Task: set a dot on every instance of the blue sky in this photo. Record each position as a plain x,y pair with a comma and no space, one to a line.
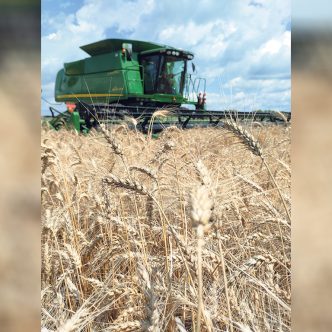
242,47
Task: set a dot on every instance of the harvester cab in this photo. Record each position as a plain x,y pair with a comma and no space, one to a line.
165,72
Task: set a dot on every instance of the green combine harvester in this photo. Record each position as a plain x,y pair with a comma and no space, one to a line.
134,79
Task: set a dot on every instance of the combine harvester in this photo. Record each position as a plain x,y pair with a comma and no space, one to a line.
144,81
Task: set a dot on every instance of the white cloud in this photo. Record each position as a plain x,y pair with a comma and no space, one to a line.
53,36
274,45
191,34
125,15
271,47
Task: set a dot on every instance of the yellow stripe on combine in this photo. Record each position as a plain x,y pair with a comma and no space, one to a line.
88,95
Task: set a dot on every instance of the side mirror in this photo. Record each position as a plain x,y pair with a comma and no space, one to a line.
193,67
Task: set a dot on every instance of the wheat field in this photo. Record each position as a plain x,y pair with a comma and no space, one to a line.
187,232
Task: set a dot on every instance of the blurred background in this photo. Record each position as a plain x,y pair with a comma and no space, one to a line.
311,165
20,171
19,165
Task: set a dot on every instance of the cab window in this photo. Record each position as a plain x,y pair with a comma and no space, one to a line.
150,68
171,75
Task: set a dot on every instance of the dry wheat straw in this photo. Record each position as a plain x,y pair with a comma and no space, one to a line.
118,252
248,140
127,327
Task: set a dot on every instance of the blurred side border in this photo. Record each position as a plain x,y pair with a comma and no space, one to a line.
311,166
19,165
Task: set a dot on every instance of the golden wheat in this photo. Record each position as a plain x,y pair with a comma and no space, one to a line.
186,232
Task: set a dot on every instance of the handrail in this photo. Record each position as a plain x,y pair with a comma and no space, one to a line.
192,87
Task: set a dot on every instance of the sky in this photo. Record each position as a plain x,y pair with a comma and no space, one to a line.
241,47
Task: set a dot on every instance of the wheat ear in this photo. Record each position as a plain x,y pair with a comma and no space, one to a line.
201,207
246,138
116,147
127,184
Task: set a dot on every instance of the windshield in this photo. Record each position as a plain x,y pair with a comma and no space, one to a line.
171,75
164,74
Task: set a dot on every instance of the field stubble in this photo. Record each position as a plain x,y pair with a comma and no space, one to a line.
187,232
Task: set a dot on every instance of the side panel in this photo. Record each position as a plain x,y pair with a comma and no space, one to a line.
102,78
102,63
67,85
104,87
96,64
74,68
134,81
102,82
100,87
132,72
